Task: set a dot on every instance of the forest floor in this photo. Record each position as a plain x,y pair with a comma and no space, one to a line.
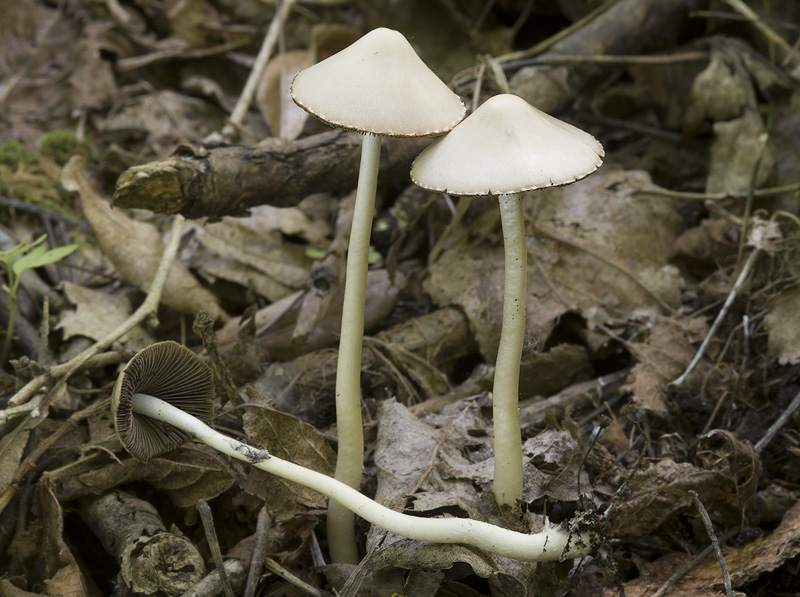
660,378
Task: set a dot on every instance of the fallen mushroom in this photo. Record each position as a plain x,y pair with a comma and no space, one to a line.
376,86
155,373
504,148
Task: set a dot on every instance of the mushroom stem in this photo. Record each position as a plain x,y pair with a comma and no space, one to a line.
505,393
552,543
350,453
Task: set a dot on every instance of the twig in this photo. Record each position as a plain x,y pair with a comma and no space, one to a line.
726,577
213,544
465,75
751,260
246,98
259,551
146,309
44,212
759,24
767,192
276,568
30,461
777,425
684,570
63,372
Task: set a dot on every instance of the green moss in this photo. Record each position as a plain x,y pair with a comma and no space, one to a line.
13,152
62,144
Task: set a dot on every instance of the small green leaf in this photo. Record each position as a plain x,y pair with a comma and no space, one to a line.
39,257
374,256
315,254
25,244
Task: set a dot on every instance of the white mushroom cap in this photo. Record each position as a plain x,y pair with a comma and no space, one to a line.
507,146
378,85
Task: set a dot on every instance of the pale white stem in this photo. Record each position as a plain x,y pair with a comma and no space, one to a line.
350,454
505,394
552,543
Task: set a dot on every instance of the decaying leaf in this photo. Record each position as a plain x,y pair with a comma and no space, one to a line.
62,575
726,484
186,475
275,323
285,118
745,563
592,226
135,248
291,439
97,314
783,323
254,253
669,345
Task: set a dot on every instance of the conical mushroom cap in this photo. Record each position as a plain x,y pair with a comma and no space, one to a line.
507,146
378,85
173,373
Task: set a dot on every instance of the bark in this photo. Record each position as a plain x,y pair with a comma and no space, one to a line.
228,181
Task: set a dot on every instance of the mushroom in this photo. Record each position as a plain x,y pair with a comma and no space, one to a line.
504,148
376,86
172,373
160,369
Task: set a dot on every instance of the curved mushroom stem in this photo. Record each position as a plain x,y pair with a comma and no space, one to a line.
350,454
552,543
505,393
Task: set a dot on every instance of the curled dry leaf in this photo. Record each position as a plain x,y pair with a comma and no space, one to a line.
783,323
285,118
135,248
277,321
726,484
592,226
745,563
97,314
60,574
186,475
254,252
667,348
292,439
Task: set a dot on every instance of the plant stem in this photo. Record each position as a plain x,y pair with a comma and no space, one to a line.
552,543
505,393
350,454
12,316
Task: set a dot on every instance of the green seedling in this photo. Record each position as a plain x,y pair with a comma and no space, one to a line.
26,255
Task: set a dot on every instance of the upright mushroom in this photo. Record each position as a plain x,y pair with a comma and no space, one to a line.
148,402
376,86
504,148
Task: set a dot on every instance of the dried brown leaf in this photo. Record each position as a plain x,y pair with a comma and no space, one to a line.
12,445
62,573
783,323
663,354
661,491
186,475
254,253
745,564
97,314
291,439
593,226
278,320
285,118
135,248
